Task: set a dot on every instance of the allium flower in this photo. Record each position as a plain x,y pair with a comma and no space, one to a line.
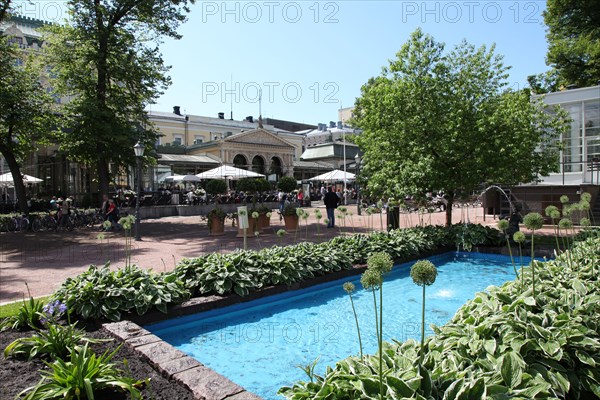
503,224
564,199
371,279
269,214
519,237
242,212
550,210
584,205
555,214
299,212
255,215
423,273
584,222
533,221
585,196
565,223
380,262
349,287
281,232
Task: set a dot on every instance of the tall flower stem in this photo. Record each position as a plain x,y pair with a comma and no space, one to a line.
357,326
422,328
532,263
380,340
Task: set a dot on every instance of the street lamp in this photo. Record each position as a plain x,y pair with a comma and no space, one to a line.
357,162
139,153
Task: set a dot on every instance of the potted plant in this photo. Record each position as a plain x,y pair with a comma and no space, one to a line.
291,217
216,217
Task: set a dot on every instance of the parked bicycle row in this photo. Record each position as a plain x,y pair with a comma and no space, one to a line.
52,221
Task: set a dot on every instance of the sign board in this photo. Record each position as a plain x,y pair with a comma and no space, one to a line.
242,213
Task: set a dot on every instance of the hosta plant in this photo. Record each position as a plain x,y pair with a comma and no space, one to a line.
102,293
502,344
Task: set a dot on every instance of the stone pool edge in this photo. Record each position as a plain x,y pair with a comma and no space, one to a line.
203,382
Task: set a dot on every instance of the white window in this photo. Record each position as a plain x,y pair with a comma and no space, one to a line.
198,139
177,140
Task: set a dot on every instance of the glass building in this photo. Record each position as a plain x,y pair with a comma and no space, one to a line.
580,158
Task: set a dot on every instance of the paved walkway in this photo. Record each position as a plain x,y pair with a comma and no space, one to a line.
44,260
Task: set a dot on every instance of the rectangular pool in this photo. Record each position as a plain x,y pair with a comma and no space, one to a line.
259,344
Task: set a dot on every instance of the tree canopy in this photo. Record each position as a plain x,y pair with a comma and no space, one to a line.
107,58
436,120
573,45
27,117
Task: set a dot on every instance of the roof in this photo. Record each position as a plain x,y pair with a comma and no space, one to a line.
185,158
329,150
313,165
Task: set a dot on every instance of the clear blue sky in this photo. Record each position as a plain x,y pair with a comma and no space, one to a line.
309,57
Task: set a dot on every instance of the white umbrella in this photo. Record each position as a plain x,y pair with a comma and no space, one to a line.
226,171
334,176
190,178
173,178
7,178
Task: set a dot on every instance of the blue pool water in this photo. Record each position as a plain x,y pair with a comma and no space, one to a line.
259,344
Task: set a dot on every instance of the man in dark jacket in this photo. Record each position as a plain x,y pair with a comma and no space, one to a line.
331,201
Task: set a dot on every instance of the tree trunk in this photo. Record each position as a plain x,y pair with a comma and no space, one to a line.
103,177
449,207
15,170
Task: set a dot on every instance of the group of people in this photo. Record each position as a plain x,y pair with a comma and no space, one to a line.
62,207
110,212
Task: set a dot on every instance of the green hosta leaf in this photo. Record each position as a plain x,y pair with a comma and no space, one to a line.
398,387
369,387
511,370
454,390
477,390
579,286
490,346
552,348
585,358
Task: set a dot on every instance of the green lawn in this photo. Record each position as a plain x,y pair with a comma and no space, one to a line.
12,308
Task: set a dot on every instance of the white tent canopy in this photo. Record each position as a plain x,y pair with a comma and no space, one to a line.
8,179
334,176
227,171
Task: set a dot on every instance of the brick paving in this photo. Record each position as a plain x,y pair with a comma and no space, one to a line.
44,260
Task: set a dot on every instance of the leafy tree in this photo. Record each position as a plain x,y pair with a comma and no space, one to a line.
287,184
436,121
574,40
26,117
107,58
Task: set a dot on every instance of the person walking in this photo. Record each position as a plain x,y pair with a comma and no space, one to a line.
331,201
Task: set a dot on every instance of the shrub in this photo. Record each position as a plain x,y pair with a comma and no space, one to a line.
287,184
102,293
216,186
502,344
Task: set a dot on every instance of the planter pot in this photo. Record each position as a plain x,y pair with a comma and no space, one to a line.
249,230
217,226
264,222
291,222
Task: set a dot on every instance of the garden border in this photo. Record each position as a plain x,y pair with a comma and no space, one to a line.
202,381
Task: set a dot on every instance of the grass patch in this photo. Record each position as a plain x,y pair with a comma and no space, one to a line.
11,309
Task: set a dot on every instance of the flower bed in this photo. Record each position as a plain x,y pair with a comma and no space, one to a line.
505,343
102,293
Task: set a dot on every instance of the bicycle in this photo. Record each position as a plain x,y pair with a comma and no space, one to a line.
14,224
